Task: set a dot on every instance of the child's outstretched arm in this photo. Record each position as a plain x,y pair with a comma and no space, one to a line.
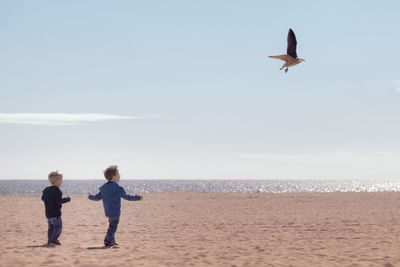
130,197
95,197
65,200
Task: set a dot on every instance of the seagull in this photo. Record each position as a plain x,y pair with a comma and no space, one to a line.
290,58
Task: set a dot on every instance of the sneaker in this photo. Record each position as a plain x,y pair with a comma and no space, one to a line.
110,245
55,242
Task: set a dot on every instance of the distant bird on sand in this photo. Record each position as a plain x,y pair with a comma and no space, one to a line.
291,58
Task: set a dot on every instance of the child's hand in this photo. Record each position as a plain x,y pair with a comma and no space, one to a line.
69,199
140,198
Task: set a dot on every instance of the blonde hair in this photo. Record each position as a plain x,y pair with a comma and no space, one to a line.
54,176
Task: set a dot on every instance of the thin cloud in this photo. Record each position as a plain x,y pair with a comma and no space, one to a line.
391,84
338,156
395,84
387,83
153,116
60,118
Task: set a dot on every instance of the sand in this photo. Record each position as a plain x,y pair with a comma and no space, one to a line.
207,229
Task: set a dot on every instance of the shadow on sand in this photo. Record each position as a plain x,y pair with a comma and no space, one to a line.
42,246
52,246
102,247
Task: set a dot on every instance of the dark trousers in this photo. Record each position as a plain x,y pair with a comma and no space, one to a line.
109,240
55,228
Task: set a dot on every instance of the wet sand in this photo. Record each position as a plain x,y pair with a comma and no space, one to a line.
210,229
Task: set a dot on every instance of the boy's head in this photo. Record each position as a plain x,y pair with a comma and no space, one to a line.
112,173
55,178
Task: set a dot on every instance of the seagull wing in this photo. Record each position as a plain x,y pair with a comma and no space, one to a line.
291,44
281,57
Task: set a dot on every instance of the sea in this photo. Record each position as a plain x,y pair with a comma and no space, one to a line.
81,187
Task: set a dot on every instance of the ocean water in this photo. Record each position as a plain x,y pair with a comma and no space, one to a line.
77,187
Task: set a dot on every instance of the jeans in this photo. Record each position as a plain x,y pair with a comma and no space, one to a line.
112,228
55,228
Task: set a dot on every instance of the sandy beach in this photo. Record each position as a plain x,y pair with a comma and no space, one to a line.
210,229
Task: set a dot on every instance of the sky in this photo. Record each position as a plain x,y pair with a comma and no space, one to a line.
185,89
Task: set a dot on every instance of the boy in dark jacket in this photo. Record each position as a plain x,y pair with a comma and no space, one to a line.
111,194
52,197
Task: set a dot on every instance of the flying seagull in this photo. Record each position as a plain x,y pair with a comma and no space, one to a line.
290,58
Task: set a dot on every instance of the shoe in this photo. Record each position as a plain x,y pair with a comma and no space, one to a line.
55,242
110,245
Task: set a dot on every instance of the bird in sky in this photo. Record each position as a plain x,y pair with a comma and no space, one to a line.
290,58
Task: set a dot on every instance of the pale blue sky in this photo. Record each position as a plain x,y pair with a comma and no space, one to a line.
185,89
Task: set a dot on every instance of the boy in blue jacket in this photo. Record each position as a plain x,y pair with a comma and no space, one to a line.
111,194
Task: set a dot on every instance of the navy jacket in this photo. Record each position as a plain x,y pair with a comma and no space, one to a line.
52,197
111,194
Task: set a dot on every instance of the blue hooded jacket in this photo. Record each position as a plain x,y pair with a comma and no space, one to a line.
111,194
